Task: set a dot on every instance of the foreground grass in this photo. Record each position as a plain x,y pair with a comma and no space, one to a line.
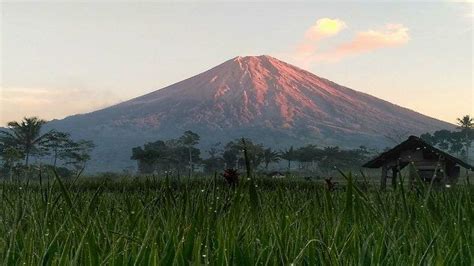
163,222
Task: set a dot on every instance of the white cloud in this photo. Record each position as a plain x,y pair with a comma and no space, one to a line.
323,28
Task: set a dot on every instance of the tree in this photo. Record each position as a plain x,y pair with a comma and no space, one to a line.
231,154
10,157
25,136
59,143
270,156
456,143
214,161
255,152
214,150
330,158
289,156
178,155
189,140
165,155
466,125
148,156
428,138
442,138
307,155
79,153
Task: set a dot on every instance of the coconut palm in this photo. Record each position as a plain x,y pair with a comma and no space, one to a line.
289,156
25,136
270,156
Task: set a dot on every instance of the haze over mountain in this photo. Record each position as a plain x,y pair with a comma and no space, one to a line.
259,97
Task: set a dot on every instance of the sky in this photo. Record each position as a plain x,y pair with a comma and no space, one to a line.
60,58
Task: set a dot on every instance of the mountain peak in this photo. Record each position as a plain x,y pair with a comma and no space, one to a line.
250,57
254,59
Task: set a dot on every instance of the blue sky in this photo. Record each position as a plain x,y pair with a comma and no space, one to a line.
62,58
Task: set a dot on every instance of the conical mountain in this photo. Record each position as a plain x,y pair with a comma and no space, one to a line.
259,97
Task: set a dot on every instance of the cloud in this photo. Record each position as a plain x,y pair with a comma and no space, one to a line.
324,28
50,103
391,35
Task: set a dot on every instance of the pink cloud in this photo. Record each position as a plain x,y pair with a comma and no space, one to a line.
391,35
323,28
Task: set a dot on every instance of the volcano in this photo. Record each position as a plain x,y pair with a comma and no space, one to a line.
259,97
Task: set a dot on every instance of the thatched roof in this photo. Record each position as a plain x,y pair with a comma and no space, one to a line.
412,143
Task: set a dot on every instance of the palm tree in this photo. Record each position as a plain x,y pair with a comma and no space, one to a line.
270,156
25,136
466,125
288,155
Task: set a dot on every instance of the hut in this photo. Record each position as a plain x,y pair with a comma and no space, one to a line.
432,164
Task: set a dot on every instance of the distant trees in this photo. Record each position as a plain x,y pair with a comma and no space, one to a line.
25,139
343,159
167,155
330,157
455,142
307,156
466,125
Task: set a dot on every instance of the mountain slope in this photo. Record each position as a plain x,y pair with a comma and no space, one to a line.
255,96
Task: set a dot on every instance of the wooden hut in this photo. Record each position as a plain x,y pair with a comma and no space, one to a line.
429,162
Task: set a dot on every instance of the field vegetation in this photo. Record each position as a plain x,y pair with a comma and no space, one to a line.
165,220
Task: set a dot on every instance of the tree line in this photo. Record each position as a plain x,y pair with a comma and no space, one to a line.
182,154
25,140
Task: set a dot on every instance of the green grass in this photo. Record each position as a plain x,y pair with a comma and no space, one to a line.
156,221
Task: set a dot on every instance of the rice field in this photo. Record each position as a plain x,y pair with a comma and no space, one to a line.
170,221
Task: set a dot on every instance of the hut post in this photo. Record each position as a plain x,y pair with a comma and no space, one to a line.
383,179
394,177
412,174
444,169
